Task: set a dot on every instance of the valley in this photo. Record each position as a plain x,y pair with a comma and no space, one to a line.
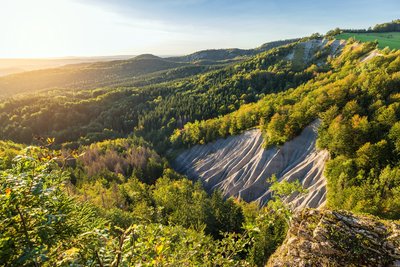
282,155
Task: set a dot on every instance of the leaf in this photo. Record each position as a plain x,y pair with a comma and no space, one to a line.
8,192
159,248
71,251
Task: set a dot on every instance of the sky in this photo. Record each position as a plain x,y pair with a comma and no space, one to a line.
61,28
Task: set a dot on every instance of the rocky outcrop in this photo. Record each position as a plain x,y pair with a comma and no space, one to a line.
373,54
338,238
239,166
305,52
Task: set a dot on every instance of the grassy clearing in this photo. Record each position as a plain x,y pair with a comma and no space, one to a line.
390,39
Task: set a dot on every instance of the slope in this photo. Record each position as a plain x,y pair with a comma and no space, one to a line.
384,39
358,104
152,111
218,55
239,166
84,75
143,69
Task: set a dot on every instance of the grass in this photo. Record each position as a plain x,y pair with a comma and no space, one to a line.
390,39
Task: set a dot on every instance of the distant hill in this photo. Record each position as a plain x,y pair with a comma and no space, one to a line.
84,75
228,54
10,66
213,54
125,72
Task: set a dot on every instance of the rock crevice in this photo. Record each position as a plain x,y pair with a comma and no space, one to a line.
338,238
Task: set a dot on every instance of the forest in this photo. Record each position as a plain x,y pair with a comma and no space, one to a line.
358,104
85,173
153,111
393,26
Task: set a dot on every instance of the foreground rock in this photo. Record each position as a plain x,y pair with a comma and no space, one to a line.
239,166
331,238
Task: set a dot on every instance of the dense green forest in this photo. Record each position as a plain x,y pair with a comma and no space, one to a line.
93,198
154,111
136,72
117,202
358,104
84,173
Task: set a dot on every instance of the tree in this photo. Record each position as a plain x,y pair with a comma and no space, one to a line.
38,221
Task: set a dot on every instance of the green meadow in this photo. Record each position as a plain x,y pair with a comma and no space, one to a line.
390,39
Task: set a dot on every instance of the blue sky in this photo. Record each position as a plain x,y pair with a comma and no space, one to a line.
57,28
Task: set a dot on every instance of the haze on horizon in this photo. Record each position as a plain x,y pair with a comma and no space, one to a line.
49,28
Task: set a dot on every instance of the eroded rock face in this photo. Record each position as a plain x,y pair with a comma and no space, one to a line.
333,238
306,51
239,166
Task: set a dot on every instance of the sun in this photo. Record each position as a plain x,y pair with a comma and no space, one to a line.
48,28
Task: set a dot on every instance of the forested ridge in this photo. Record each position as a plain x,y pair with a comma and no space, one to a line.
84,75
138,71
393,26
154,111
358,104
117,202
84,174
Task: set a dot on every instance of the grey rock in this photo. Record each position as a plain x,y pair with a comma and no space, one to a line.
239,166
366,242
